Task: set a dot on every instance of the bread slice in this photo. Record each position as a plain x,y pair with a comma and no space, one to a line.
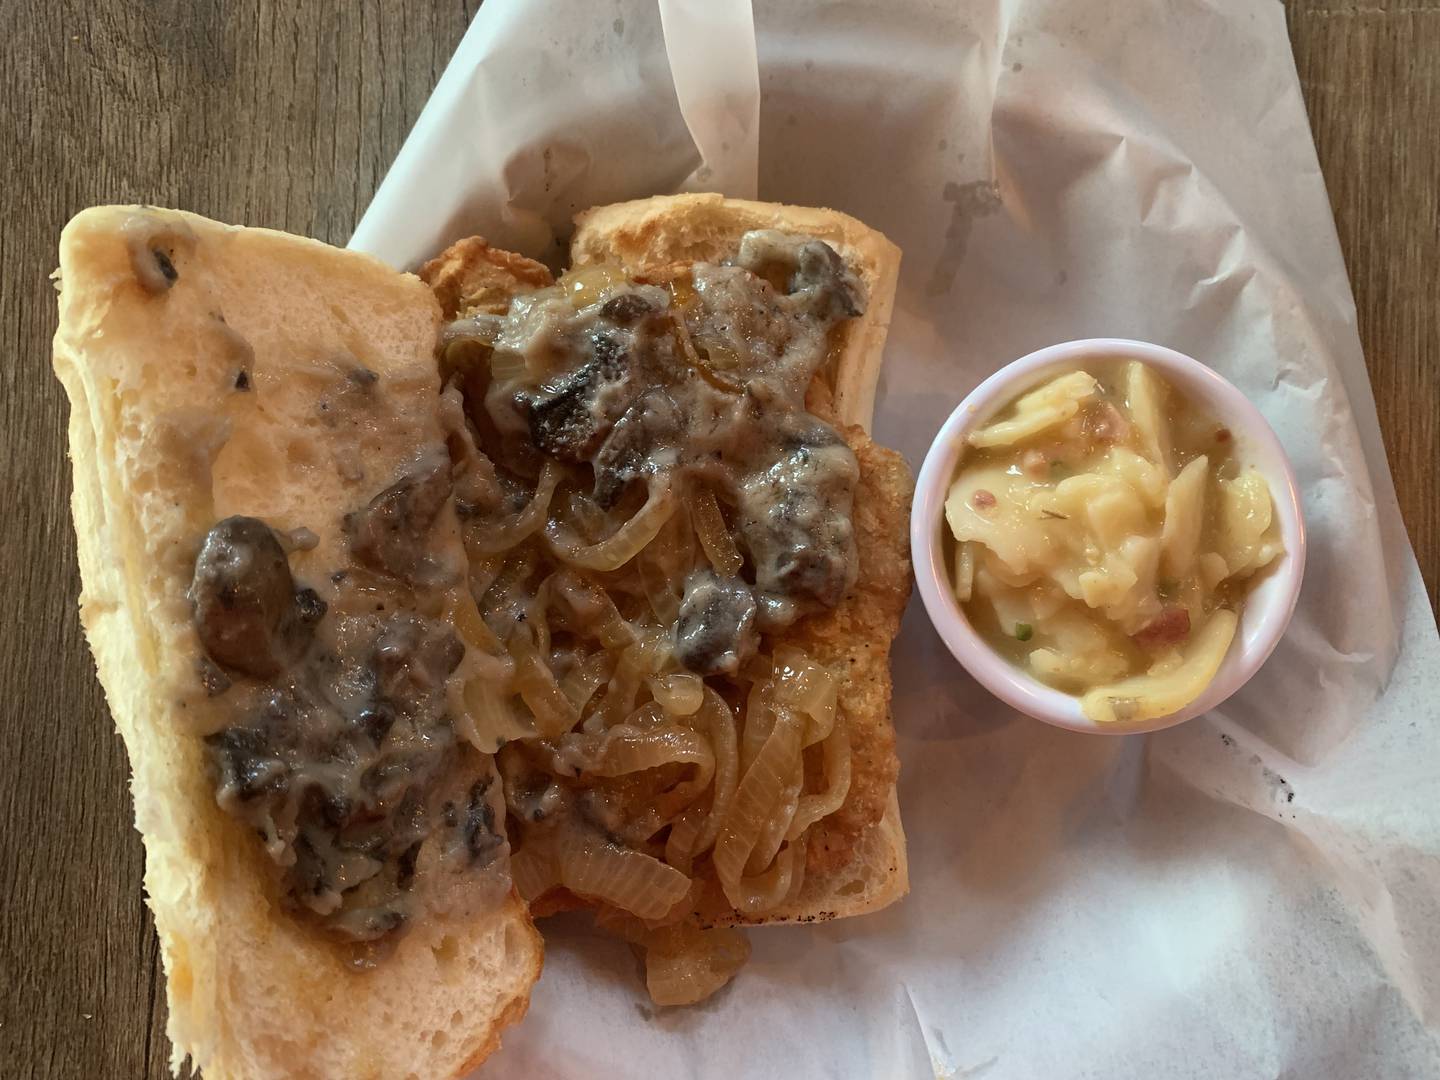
857,860
202,364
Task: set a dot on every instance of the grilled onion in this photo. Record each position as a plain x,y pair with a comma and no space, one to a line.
761,790
837,785
591,608
554,715
585,678
625,749
665,563
679,693
767,891
714,537
802,684
759,722
592,866
684,964
626,543
777,825
534,872
491,538
720,723
490,719
465,617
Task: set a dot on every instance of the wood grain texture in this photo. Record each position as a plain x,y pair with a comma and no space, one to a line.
286,115
1370,73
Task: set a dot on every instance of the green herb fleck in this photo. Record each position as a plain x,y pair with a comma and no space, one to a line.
1024,631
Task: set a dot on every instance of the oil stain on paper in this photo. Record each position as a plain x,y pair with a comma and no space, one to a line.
977,199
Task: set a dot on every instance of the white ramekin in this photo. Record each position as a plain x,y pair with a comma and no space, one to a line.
1267,608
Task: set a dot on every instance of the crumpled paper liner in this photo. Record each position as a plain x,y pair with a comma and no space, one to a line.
1252,894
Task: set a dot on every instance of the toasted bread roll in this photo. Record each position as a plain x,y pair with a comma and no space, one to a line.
857,862
856,855
224,374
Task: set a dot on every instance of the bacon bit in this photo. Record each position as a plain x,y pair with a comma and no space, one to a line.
982,499
1105,422
1035,464
1170,627
1222,435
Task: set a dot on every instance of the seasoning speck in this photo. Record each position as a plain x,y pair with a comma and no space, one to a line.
1024,631
165,266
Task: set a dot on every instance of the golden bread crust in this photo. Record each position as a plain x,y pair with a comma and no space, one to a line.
471,276
855,638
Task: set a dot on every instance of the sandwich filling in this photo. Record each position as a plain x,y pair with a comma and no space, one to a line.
648,504
342,753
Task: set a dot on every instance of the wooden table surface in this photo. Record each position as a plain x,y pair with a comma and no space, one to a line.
286,115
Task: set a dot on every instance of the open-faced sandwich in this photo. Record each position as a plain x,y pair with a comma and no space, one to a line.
419,605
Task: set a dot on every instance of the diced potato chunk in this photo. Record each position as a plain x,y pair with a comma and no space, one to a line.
1144,697
992,507
1039,410
1184,517
1244,537
1212,569
1145,397
1149,480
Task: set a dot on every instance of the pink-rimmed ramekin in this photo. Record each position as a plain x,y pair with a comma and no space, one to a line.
1267,608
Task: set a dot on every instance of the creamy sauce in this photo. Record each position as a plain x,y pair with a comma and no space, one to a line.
342,754
701,380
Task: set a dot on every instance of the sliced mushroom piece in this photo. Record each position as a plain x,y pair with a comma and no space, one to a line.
413,658
154,240
570,417
482,840
629,451
795,520
248,613
247,763
814,271
391,534
715,631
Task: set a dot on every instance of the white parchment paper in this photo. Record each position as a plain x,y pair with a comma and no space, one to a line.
1253,894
